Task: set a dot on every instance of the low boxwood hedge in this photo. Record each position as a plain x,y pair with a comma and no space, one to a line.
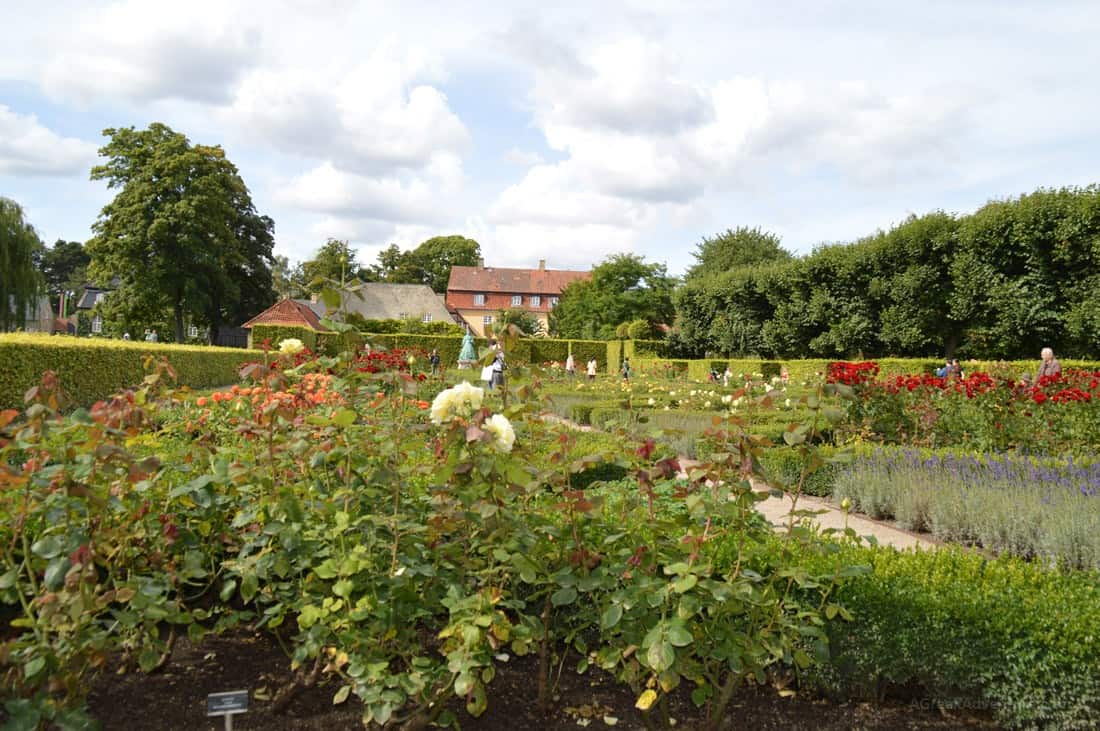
91,369
1003,635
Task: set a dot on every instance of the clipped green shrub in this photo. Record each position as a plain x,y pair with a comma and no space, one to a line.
1001,635
786,464
274,334
650,349
93,369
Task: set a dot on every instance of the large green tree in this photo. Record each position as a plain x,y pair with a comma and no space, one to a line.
429,263
735,248
180,234
623,288
333,265
20,282
64,267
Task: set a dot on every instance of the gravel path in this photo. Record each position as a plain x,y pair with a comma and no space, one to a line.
777,510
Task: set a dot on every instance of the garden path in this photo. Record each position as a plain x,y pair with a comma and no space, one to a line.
777,510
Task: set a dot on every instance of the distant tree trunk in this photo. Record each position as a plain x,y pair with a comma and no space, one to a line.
177,310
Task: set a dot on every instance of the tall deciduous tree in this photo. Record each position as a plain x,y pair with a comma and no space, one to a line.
622,288
64,267
333,264
20,282
181,233
735,248
429,263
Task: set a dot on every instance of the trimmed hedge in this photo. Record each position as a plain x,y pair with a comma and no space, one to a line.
275,334
91,369
1003,635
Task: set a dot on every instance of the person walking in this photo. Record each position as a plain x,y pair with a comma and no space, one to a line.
433,359
570,366
592,366
498,368
1048,366
626,369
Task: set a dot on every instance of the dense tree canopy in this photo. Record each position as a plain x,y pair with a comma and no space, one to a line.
429,263
20,282
181,233
1003,282
623,288
64,268
735,248
334,264
524,320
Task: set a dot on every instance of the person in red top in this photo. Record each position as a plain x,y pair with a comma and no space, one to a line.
1049,366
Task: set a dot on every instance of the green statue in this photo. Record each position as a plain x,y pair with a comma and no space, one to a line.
468,355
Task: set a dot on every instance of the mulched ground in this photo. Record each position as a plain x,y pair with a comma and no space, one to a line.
175,699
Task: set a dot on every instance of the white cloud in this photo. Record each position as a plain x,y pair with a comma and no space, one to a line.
523,158
327,190
28,148
375,117
143,51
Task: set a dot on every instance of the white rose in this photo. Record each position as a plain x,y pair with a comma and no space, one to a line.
652,402
504,436
460,400
291,346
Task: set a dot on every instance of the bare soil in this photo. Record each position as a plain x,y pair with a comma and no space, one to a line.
175,699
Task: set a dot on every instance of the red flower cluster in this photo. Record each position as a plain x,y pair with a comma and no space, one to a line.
852,374
376,361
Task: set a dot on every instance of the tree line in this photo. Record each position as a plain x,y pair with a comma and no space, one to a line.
181,242
1012,277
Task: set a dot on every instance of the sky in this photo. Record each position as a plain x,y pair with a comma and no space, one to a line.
567,133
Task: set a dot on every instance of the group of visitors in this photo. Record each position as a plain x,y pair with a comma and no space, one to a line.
590,368
1048,367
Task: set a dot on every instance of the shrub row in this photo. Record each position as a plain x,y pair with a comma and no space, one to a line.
968,632
93,369
528,350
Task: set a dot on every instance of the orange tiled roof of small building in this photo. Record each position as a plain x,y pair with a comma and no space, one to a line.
518,281
287,312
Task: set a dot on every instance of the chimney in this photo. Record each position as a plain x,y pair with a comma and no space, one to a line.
480,263
542,265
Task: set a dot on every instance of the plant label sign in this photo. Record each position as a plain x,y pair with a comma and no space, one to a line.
227,704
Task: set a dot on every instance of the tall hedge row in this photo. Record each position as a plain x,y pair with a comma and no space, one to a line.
93,369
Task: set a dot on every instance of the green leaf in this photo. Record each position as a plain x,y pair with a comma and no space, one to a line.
344,417
611,616
250,584
685,583
34,667
660,656
802,659
55,572
341,695
47,547
228,587
564,596
679,635
148,659
343,588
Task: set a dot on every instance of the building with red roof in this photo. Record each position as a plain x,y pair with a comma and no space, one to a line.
478,294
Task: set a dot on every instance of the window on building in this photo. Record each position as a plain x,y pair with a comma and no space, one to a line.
427,317
487,320
192,331
517,300
99,297
97,324
553,301
536,300
402,315
479,299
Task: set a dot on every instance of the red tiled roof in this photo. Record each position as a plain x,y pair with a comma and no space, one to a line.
287,312
512,281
